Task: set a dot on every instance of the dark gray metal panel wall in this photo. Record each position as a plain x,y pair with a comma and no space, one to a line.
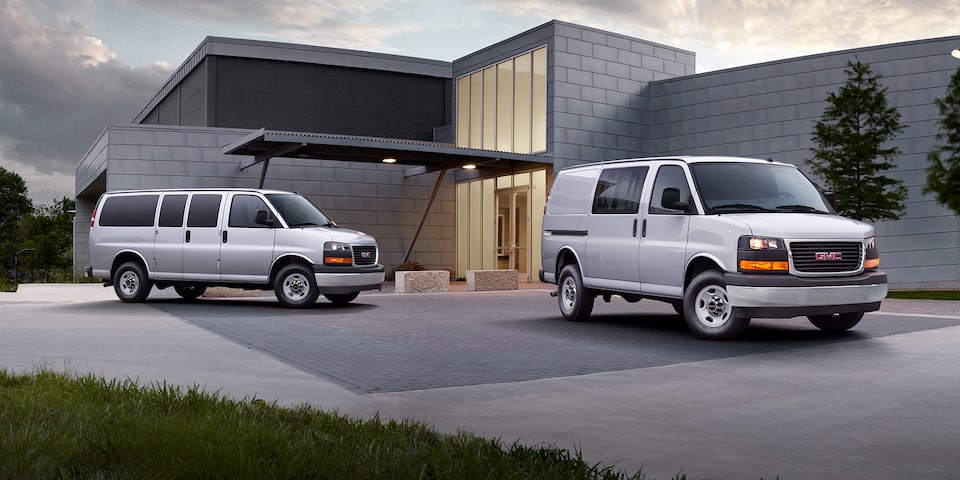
168,110
193,98
254,93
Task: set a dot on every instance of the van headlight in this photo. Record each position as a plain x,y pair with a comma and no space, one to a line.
871,260
762,255
337,253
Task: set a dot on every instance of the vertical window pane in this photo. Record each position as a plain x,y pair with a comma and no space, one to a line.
521,103
463,111
538,128
490,108
476,110
505,106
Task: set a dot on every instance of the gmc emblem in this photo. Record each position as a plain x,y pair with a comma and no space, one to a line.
828,256
366,254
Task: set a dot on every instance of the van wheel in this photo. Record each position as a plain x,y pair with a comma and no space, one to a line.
576,301
189,291
341,298
708,311
840,322
131,284
296,287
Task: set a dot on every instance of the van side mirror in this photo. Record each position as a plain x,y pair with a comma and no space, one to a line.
262,218
671,200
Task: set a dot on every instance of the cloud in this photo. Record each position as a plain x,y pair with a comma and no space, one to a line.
59,87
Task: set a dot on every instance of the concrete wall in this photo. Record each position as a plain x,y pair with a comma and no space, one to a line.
769,110
375,198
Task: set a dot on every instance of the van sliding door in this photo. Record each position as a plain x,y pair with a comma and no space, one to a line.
201,238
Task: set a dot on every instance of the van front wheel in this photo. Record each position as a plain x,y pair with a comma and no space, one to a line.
296,287
576,301
840,322
130,283
189,291
708,311
341,298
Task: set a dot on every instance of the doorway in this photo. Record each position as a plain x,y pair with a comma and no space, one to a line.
513,231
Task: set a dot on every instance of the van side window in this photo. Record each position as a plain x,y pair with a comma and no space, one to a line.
171,210
243,211
129,211
204,210
618,190
670,187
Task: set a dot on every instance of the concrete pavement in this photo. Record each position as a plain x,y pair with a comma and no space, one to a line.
881,407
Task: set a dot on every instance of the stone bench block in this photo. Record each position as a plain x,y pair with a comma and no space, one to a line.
423,281
488,280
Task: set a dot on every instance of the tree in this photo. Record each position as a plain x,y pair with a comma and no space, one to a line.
850,156
14,205
943,176
48,230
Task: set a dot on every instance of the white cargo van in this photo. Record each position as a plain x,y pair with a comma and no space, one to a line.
253,239
722,239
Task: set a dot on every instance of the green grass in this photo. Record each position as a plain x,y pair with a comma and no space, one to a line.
56,426
926,295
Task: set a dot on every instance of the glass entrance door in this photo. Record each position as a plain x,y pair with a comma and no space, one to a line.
513,231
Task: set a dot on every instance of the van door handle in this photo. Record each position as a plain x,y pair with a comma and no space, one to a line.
643,229
224,236
634,227
188,236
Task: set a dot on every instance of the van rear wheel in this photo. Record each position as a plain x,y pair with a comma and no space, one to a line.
840,322
296,286
341,298
189,291
576,301
708,311
130,283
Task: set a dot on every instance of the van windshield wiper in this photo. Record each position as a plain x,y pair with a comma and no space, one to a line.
801,208
740,207
305,224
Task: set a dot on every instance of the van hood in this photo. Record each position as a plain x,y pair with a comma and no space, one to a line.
803,226
345,235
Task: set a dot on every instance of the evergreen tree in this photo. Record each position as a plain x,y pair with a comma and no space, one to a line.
943,176
850,156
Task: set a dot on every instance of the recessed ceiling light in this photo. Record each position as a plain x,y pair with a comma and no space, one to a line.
389,160
469,166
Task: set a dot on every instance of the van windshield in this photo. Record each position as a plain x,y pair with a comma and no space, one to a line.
756,187
297,211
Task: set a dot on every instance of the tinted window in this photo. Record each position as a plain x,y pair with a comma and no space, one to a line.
129,211
171,210
669,177
298,211
618,190
243,211
732,187
204,210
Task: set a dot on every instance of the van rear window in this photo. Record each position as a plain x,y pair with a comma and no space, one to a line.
129,211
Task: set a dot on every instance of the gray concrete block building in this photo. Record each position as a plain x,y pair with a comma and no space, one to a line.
473,144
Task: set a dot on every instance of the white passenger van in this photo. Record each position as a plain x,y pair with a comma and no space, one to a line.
722,239
252,239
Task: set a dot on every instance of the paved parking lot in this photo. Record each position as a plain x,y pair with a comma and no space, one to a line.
390,343
632,388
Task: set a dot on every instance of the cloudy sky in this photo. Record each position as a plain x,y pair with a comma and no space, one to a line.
68,68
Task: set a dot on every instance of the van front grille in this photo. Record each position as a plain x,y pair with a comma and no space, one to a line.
364,255
826,257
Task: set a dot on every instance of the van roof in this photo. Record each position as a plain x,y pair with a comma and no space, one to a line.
208,189
681,158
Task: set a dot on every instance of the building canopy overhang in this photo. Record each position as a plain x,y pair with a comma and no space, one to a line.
418,156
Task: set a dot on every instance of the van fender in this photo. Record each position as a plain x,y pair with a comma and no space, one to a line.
287,259
563,252
124,256
700,262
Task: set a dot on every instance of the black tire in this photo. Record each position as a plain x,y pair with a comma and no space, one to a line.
707,311
296,287
576,301
341,298
130,282
189,291
840,322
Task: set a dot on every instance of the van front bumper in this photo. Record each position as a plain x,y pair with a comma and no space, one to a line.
784,296
348,279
